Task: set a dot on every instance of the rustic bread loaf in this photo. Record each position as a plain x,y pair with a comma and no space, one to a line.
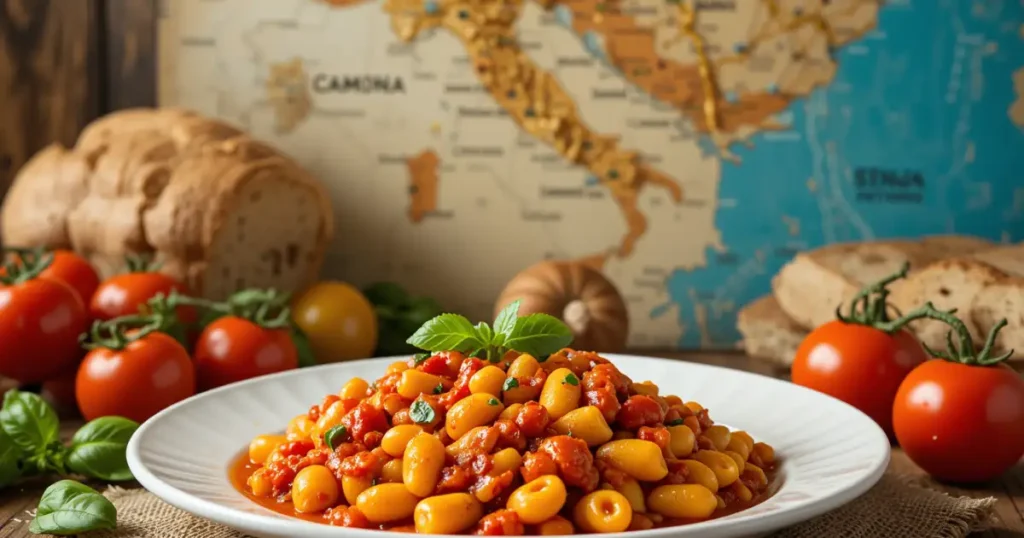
814,283
952,245
215,208
768,333
1007,258
951,283
1002,299
35,211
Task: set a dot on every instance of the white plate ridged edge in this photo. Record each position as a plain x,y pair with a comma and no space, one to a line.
831,452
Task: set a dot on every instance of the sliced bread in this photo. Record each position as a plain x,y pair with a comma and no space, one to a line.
814,283
952,283
1007,258
953,246
215,208
768,333
35,210
1003,299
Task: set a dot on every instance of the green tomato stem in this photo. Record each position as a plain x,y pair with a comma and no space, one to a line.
963,352
29,264
870,305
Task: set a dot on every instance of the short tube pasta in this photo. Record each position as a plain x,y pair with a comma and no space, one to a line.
560,444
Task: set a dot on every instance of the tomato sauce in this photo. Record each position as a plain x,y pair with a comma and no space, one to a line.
241,469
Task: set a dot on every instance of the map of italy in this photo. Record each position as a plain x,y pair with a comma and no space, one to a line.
463,140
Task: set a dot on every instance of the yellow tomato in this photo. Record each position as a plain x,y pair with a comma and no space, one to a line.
339,321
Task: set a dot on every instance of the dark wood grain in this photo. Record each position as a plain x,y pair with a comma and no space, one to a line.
49,76
1008,519
130,53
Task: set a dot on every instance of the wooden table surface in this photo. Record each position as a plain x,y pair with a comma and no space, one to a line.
1008,522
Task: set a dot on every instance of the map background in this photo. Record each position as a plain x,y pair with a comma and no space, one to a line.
928,91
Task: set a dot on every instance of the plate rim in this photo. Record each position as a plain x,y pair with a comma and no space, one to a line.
738,524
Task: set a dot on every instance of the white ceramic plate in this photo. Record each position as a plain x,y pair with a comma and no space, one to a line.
831,452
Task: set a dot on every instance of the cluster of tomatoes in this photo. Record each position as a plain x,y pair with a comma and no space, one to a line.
958,413
137,343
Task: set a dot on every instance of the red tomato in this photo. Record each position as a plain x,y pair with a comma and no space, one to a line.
71,269
122,295
858,364
74,271
232,349
40,321
148,375
961,423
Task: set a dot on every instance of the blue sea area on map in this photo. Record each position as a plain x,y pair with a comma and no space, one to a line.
922,99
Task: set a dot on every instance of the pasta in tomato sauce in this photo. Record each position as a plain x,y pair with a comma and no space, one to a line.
449,444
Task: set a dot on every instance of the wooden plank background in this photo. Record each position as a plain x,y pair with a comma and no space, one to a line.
64,63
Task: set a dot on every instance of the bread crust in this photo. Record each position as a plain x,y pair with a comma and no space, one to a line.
768,333
153,181
814,283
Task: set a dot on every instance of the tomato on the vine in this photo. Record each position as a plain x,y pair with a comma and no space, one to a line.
233,349
40,321
960,417
134,378
65,266
860,358
124,294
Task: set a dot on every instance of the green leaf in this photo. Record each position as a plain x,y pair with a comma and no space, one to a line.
68,507
98,449
510,383
571,379
421,412
386,293
29,421
484,333
447,332
302,347
674,422
420,358
493,402
539,334
337,433
439,388
505,323
10,456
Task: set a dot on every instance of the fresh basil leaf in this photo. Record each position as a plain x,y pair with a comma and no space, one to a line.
439,388
510,383
335,436
10,456
421,412
98,449
420,358
674,422
29,421
484,332
447,332
571,379
68,507
493,402
505,322
539,334
302,347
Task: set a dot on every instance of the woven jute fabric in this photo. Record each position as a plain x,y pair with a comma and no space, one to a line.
897,507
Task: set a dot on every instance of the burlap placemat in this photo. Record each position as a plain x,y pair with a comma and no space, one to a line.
898,507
